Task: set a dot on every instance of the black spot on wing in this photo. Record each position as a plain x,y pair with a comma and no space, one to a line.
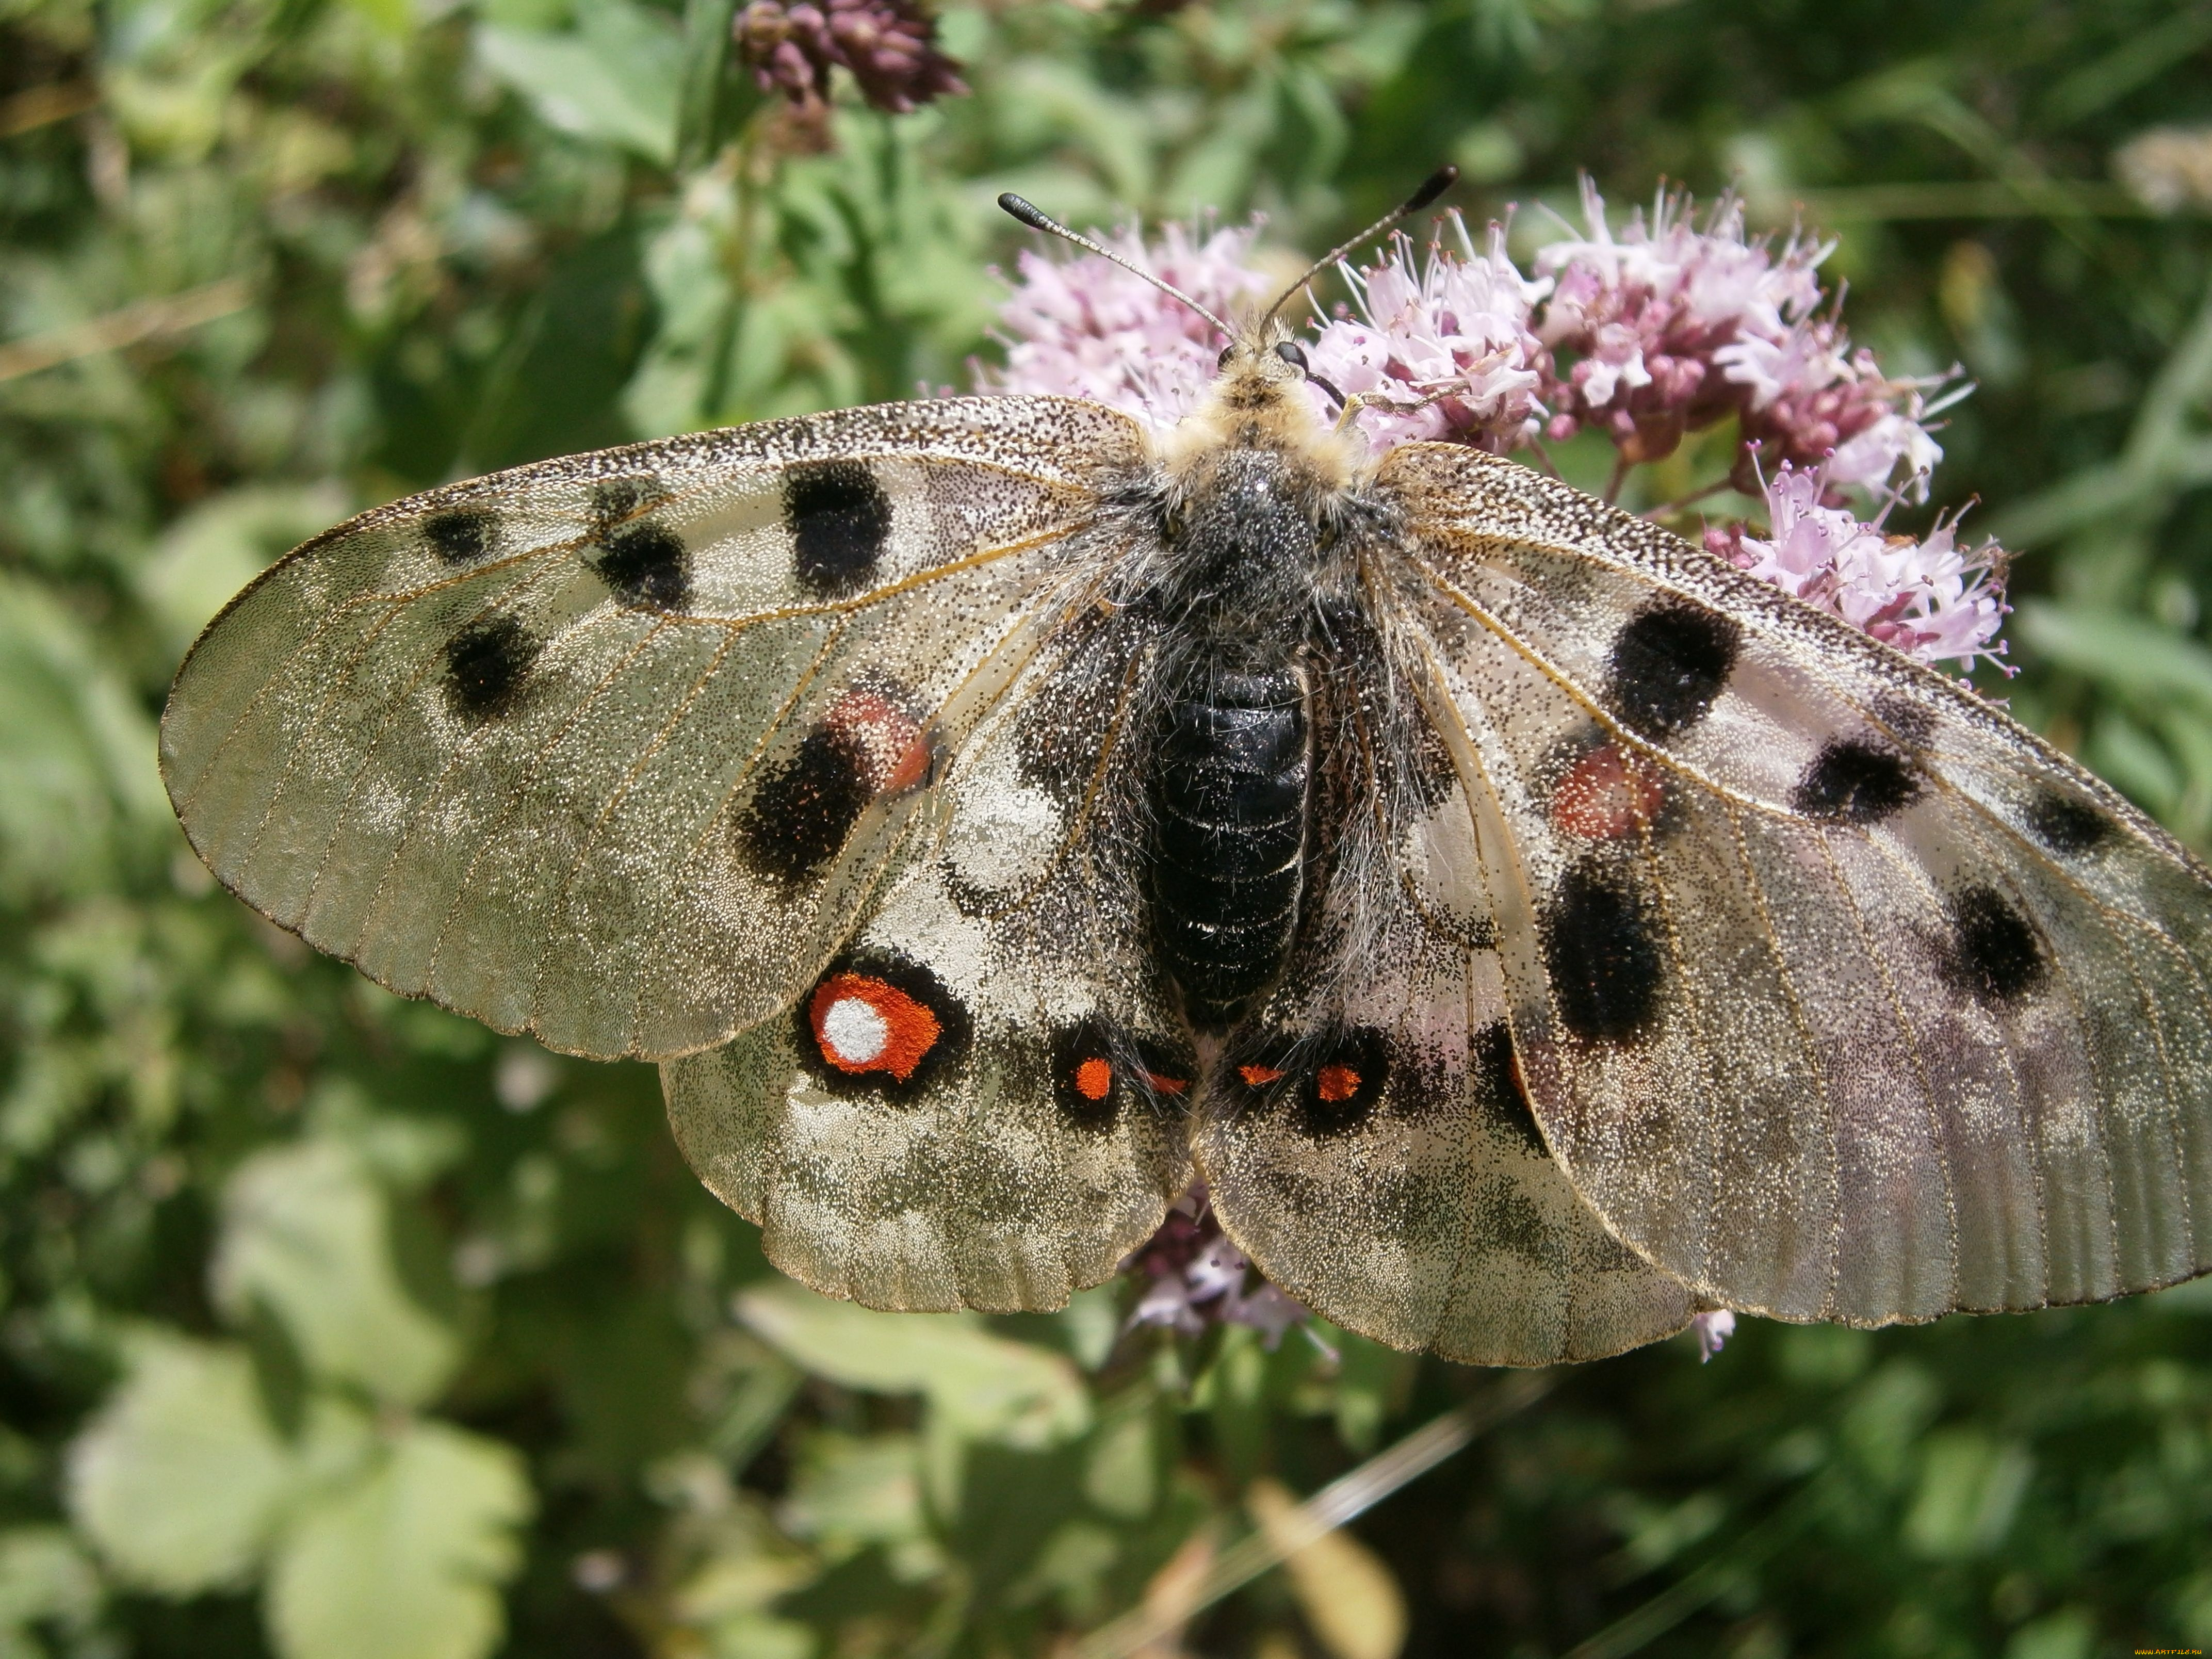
1857,780
1497,1078
485,665
614,501
1913,723
1995,953
840,519
804,810
647,566
1601,947
2066,825
463,536
1667,666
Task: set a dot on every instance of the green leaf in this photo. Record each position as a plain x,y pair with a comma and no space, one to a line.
717,93
2130,654
181,1479
45,1579
78,786
1970,1488
854,1492
615,80
405,1562
981,1386
306,1233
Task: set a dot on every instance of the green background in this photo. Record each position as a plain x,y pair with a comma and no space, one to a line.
339,1329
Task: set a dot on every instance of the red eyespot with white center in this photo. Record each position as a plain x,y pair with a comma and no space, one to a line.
863,1023
1609,793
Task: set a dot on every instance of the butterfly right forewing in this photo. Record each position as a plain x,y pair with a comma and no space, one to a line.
1839,995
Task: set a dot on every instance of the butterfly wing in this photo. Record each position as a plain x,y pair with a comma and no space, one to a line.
981,1102
1366,1137
615,748
1839,994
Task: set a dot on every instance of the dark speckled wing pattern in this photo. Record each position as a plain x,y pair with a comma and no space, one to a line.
617,749
1836,993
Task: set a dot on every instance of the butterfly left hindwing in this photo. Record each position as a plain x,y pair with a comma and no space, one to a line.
981,1102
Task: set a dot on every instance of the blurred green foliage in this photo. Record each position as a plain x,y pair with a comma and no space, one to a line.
337,1329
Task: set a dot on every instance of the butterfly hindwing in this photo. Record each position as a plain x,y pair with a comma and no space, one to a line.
615,749
981,1102
1365,1135
1839,994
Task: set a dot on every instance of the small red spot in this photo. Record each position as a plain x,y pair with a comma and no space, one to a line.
1094,1078
839,1014
1337,1084
1168,1085
1607,792
1259,1076
894,750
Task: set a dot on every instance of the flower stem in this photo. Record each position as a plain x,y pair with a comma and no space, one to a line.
1681,502
1620,465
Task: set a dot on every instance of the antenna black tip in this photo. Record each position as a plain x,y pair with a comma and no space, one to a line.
1027,213
1435,186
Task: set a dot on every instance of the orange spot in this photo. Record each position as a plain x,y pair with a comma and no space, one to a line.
893,749
1168,1085
1337,1084
1259,1076
909,1031
1094,1078
913,766
1607,793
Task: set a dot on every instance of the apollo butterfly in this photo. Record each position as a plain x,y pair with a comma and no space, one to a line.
990,813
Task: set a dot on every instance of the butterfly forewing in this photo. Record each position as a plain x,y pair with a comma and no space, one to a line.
615,749
1837,995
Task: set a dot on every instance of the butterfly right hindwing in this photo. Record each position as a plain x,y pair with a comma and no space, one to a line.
1366,1138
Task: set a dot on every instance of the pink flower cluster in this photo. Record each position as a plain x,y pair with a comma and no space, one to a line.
1086,328
1658,317
1444,349
1925,597
889,46
1197,1278
1646,333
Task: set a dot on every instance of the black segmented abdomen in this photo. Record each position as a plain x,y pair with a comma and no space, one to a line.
1228,858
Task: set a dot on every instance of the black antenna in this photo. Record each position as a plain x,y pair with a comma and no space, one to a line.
1037,219
1431,187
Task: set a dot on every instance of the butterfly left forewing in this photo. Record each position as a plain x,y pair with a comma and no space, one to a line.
1840,996
981,1102
614,749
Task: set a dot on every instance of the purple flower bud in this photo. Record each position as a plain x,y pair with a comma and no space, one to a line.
1197,1278
889,47
1713,1327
